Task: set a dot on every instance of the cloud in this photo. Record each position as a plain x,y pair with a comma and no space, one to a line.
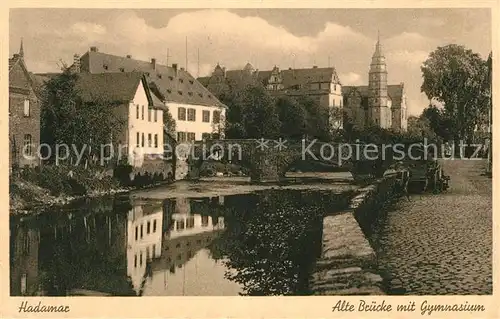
350,78
225,37
86,28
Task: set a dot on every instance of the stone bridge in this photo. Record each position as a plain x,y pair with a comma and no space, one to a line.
269,160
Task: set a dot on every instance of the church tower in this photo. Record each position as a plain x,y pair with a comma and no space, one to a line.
379,112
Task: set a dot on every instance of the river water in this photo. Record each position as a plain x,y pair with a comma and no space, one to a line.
261,242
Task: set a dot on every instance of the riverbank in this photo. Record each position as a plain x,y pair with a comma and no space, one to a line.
26,196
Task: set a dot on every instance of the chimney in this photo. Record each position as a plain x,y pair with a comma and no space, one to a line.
129,56
153,63
93,49
76,63
174,66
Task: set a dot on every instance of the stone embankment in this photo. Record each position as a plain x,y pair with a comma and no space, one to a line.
348,263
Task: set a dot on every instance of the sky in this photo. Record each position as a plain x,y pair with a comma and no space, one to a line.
300,38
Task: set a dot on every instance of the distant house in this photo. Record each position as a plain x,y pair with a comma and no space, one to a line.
198,113
140,110
24,114
320,84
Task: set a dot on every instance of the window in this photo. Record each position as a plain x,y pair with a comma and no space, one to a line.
156,140
136,232
148,228
204,221
137,111
137,138
150,142
206,116
105,66
156,115
181,114
181,80
181,136
122,70
141,231
180,226
142,140
335,87
159,76
190,223
154,226
190,93
24,280
147,253
154,250
179,92
205,136
135,261
170,78
149,114
142,114
27,145
216,117
27,110
191,115
140,259
191,136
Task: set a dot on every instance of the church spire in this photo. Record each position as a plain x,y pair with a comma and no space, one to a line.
378,47
21,50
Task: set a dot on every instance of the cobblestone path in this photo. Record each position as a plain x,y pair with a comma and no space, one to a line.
441,244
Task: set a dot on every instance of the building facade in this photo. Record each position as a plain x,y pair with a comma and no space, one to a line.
139,113
197,112
378,103
24,114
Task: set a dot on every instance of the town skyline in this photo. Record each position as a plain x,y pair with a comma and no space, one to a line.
284,39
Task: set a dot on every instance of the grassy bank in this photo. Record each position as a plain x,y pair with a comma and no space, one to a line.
58,185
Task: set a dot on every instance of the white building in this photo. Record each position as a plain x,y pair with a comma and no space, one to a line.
140,132
144,239
198,113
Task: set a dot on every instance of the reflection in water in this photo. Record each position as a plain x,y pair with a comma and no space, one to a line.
255,244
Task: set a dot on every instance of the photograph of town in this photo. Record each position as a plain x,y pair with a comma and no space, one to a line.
250,152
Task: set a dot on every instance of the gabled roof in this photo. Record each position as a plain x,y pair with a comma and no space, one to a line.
291,78
114,87
174,85
395,92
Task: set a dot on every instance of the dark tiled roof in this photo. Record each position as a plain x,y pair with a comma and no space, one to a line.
12,62
114,87
395,92
291,78
173,85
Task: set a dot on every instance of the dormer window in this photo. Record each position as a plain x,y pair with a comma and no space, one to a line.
190,93
180,92
201,95
159,76
181,80
209,96
122,70
171,78
105,66
191,81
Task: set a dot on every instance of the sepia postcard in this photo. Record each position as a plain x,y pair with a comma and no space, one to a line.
249,160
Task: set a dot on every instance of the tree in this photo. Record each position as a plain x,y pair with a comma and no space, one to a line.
169,122
419,128
67,120
439,122
457,77
318,125
293,117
